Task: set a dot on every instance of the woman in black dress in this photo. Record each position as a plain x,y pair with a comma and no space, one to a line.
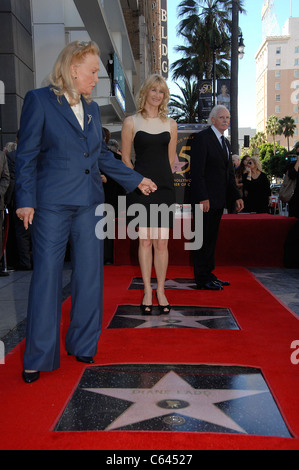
154,136
256,187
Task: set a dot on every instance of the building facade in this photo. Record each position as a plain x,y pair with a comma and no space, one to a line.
277,80
130,34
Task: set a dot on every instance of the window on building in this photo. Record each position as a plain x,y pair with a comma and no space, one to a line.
277,109
297,50
277,74
296,62
296,108
277,97
278,50
277,86
296,73
278,62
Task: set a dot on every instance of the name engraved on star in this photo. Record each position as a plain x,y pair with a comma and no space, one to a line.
139,391
295,354
2,353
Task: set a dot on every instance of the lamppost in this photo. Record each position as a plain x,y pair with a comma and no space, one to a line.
241,48
237,52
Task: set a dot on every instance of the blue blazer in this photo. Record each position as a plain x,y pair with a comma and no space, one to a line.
59,163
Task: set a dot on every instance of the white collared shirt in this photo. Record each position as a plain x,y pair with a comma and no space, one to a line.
219,135
78,111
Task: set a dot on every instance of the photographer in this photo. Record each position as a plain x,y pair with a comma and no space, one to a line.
293,173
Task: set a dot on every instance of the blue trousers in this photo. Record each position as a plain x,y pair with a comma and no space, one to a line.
52,228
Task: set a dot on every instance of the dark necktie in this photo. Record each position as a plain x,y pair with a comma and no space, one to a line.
224,145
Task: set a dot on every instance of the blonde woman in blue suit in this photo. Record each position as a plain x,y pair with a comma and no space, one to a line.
61,152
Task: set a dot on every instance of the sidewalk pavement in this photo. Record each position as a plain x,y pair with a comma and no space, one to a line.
283,283
14,290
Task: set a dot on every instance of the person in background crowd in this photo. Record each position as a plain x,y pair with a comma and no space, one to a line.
4,184
236,161
240,171
112,191
60,154
293,173
291,246
256,186
19,239
213,183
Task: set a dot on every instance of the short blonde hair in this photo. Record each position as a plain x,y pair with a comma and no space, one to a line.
153,80
61,77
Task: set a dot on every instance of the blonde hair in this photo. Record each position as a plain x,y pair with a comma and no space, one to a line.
61,77
258,163
151,81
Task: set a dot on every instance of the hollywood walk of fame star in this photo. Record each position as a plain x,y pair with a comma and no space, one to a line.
172,319
172,395
178,166
185,284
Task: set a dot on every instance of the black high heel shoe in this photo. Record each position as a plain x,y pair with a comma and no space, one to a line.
85,359
164,309
146,309
30,377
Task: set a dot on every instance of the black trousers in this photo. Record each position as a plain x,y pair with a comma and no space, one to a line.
204,258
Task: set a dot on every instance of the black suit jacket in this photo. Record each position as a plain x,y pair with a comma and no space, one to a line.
212,172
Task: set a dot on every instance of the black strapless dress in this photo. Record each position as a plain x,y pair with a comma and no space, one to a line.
152,161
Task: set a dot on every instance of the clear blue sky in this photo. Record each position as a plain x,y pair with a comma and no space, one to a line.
251,25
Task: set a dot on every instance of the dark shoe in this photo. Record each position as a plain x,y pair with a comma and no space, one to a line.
30,377
164,309
3,274
212,285
222,283
85,359
146,309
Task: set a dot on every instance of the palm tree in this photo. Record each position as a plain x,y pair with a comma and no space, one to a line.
184,108
257,140
205,28
273,128
288,127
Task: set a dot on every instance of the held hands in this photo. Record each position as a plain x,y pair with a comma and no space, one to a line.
25,214
147,186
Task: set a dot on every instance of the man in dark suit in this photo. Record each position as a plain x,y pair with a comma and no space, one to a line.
213,182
